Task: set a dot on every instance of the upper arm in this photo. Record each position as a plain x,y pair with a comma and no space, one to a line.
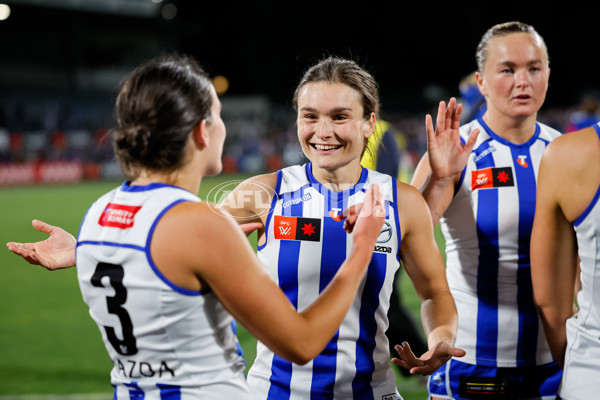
421,255
250,201
553,242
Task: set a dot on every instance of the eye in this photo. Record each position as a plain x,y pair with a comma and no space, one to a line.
340,117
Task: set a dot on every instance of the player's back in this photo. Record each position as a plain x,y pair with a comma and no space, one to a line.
163,339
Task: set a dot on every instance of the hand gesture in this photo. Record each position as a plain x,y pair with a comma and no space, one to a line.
56,252
366,219
430,361
447,155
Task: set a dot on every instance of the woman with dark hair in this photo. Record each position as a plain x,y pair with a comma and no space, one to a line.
299,213
155,264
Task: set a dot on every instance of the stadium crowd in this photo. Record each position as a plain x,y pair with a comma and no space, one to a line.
261,137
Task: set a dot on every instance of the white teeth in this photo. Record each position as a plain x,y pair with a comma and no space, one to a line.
325,147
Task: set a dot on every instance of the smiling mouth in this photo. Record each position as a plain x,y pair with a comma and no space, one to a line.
325,147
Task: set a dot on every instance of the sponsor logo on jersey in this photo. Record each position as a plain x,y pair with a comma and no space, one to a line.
118,216
522,161
386,233
297,228
489,178
383,249
291,202
484,153
336,214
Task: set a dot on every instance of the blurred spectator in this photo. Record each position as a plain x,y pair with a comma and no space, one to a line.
586,114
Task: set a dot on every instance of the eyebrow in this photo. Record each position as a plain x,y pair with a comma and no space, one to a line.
332,111
512,64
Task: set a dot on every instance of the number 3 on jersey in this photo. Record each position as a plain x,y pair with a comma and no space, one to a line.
126,346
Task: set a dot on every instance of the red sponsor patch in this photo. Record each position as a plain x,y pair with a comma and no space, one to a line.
297,228
285,227
492,178
118,216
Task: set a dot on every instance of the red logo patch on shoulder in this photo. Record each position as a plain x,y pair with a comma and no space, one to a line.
118,215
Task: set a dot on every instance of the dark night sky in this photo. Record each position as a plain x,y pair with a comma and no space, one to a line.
264,46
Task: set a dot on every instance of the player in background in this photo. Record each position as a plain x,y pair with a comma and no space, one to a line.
155,264
565,236
479,181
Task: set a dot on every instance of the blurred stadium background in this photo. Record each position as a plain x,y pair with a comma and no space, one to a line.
60,65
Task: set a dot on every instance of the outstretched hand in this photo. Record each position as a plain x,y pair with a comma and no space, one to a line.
56,252
447,155
430,361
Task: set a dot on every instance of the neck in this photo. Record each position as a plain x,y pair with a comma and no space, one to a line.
516,130
179,178
339,179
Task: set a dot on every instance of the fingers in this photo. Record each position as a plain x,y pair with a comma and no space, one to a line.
42,226
471,140
250,227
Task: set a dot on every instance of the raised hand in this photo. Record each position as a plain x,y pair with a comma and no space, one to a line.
447,155
56,252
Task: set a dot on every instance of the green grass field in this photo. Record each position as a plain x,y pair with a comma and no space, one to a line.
50,344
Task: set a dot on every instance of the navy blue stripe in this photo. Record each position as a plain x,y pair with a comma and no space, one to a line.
135,392
365,345
289,251
238,347
332,257
396,218
487,272
114,244
169,392
528,319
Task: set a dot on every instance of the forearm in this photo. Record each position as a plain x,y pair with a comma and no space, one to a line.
439,318
554,322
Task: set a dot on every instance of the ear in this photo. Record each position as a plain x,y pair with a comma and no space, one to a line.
480,84
370,126
200,135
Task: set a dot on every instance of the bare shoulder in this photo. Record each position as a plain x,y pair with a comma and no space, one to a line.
408,194
412,208
574,149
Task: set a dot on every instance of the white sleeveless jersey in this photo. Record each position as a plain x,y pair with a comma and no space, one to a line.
305,246
165,342
487,228
582,366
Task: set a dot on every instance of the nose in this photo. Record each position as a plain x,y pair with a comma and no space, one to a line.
324,128
522,78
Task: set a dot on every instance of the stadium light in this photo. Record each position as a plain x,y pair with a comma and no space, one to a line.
4,12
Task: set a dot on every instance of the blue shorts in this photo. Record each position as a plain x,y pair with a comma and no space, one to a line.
458,380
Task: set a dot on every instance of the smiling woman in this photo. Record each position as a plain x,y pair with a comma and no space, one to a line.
300,243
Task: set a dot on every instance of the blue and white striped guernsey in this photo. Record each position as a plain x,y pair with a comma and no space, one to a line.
582,366
165,342
305,246
487,228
